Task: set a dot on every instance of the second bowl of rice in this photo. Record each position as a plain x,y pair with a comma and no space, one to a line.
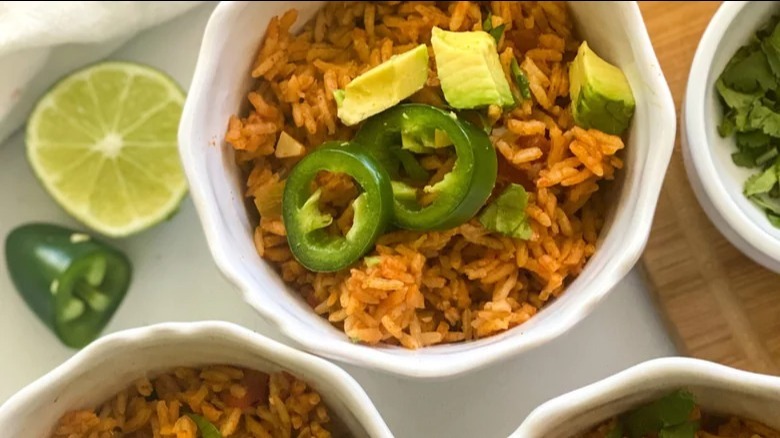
170,379
425,303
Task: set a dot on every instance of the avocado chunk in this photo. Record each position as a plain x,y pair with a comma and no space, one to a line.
383,86
469,69
600,94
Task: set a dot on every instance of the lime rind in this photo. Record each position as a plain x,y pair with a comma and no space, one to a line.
108,155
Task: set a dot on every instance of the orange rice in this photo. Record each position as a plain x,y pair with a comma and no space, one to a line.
711,427
241,403
430,287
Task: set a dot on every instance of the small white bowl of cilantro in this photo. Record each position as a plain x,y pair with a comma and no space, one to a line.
731,120
670,397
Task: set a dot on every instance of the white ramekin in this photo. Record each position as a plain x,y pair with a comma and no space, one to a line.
717,182
614,29
717,389
113,362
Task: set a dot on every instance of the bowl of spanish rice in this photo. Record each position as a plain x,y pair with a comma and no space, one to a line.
729,403
184,379
457,295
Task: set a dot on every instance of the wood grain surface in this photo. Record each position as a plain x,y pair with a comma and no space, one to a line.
719,305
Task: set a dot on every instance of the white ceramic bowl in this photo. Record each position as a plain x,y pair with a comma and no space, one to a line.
718,389
716,180
614,29
112,362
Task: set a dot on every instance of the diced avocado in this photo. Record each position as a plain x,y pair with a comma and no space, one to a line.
600,93
372,261
469,69
441,139
383,86
287,147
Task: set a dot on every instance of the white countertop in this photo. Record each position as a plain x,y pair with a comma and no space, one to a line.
176,280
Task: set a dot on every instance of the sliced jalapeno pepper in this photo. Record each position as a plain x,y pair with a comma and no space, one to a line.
310,243
461,193
73,282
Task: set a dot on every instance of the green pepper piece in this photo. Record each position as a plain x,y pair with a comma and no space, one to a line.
462,192
73,282
205,427
311,245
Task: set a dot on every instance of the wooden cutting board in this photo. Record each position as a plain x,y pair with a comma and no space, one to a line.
719,305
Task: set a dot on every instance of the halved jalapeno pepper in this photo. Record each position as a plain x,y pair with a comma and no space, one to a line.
311,244
461,193
74,283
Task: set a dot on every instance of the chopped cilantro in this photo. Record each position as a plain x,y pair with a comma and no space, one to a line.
520,80
735,100
487,24
750,74
772,52
667,417
506,214
684,430
727,125
765,119
764,158
752,139
771,48
774,219
769,203
665,413
749,91
744,158
497,32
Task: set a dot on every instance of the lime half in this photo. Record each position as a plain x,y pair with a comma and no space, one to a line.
103,143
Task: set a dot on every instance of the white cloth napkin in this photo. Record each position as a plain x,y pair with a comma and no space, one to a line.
42,41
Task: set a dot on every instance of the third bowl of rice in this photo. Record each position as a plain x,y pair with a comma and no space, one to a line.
727,402
456,297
